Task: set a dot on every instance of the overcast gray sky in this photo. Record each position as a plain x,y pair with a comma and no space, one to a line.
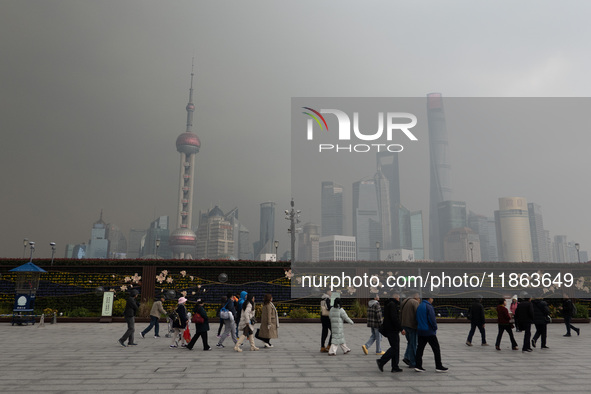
93,95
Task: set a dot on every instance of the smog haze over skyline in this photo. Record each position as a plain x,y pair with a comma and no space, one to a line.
93,98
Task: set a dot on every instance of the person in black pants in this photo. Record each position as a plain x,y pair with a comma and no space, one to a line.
476,316
325,320
427,334
541,313
504,320
524,317
391,329
568,312
131,308
200,328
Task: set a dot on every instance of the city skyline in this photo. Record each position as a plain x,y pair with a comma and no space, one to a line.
109,101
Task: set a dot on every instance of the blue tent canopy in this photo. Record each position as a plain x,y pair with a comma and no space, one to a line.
28,267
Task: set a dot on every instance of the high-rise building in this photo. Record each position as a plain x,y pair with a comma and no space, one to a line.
513,230
308,243
405,227
134,246
366,221
440,186
332,209
538,236
241,236
337,248
215,236
69,251
98,246
560,249
451,215
159,230
388,185
182,240
266,230
79,251
117,242
416,229
549,247
487,234
461,244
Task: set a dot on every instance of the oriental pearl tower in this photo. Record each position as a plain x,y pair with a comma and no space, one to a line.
182,240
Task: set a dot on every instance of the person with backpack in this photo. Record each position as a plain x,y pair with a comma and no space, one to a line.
131,308
247,321
374,321
269,322
227,314
477,319
239,305
325,320
201,326
179,321
568,312
155,313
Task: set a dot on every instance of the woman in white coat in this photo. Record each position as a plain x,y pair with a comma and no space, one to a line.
246,326
337,317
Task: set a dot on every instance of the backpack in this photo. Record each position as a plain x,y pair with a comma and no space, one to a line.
174,316
224,313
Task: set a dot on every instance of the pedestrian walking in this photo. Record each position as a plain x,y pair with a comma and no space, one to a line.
179,322
504,322
229,321
408,312
337,316
512,308
201,328
269,322
477,320
568,312
391,328
524,317
427,334
247,321
155,313
374,321
325,320
131,308
239,305
541,320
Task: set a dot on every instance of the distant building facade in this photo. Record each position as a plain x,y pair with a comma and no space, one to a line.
337,248
332,209
513,230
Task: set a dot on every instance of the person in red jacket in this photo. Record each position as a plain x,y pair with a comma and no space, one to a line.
504,320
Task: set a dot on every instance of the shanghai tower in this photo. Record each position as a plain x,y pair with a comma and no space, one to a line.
182,240
440,188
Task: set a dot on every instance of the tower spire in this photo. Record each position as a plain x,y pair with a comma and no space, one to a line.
190,105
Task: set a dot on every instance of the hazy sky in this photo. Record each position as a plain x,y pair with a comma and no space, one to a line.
93,95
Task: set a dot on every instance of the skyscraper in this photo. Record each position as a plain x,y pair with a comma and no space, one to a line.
159,230
405,227
416,229
538,236
513,234
486,230
98,246
560,249
215,236
331,209
440,186
117,242
134,246
266,229
308,243
182,240
366,221
388,184
451,215
241,236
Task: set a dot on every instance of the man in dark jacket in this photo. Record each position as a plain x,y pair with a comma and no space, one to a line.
427,334
568,312
541,312
391,329
476,316
524,317
200,328
131,307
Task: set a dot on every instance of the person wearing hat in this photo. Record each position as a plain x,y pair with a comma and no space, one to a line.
200,328
131,307
180,322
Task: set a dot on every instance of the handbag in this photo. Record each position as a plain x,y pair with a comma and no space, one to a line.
187,334
197,319
548,319
253,321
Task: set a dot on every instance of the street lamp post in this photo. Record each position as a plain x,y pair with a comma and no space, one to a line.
25,243
378,249
276,243
293,216
157,246
32,245
52,244
471,245
577,247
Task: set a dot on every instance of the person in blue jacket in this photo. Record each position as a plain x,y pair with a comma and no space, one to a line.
427,333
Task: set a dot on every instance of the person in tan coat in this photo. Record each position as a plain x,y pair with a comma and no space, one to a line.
155,313
269,322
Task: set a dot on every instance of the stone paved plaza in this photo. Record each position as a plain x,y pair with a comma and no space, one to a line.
78,357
